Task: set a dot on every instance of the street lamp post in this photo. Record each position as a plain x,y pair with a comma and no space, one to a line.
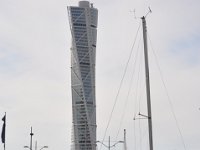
36,147
31,134
110,146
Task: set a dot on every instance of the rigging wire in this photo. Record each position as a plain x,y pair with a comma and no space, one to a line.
139,102
140,97
134,135
140,133
139,94
145,132
129,90
121,82
135,110
167,93
137,85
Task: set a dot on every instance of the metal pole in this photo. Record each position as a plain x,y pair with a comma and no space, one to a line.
109,143
125,139
4,146
147,83
31,139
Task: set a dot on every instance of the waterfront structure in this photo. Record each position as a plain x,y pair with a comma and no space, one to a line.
83,25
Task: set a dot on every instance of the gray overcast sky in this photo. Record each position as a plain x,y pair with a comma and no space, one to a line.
35,89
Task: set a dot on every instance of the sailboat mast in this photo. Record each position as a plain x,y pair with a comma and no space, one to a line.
147,82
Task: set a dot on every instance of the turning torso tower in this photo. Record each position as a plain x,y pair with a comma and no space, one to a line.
83,25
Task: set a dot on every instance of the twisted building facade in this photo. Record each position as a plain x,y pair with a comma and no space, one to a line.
83,25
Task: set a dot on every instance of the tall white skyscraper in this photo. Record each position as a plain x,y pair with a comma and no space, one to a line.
83,24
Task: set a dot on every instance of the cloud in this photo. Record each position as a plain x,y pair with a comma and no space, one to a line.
35,89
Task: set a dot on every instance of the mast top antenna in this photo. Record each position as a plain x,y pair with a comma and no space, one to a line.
150,11
134,11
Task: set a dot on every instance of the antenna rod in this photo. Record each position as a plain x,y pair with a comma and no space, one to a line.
31,134
147,82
